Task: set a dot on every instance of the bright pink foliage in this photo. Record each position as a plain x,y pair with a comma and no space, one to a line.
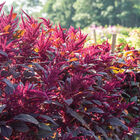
54,88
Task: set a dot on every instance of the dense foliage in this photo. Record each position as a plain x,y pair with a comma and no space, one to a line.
100,12
51,87
83,12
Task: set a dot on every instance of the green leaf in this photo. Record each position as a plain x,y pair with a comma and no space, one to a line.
26,118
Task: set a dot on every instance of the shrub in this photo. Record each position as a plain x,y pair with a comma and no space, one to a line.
54,88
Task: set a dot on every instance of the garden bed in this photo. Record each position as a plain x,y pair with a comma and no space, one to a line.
51,87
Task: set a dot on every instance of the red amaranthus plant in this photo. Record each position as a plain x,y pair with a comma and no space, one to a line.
51,87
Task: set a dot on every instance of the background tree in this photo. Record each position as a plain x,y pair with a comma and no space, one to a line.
82,13
85,13
33,2
106,12
60,11
126,13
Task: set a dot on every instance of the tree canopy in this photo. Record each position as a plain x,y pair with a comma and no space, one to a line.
82,13
101,12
